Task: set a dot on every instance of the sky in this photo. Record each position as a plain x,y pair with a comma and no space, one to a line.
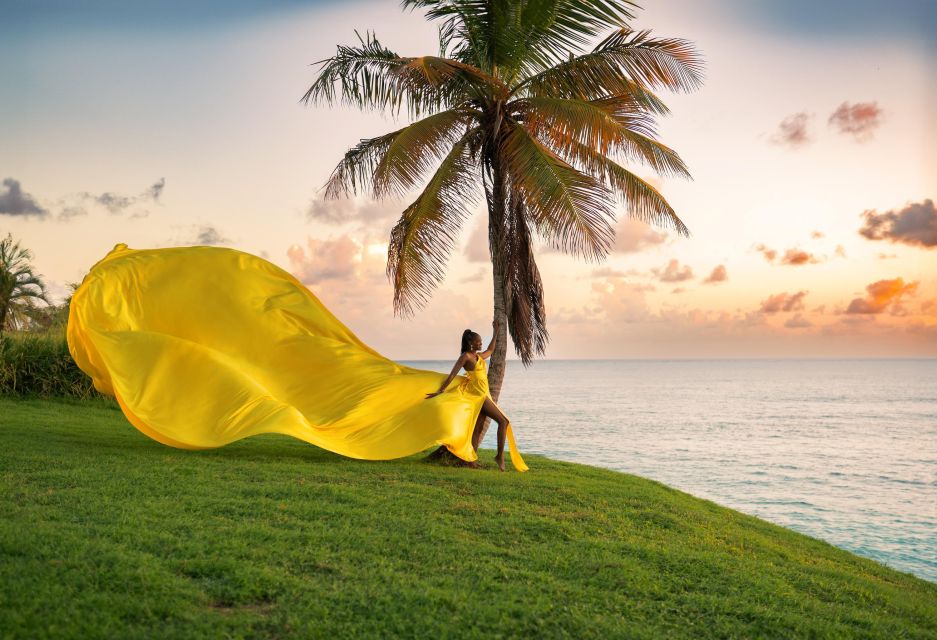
811,146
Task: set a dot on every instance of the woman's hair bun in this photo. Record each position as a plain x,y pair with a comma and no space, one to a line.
466,340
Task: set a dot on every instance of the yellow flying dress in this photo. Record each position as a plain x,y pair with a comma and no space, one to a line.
202,346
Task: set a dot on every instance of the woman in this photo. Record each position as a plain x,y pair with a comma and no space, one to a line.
476,384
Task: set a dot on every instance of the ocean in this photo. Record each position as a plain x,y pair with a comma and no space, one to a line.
841,450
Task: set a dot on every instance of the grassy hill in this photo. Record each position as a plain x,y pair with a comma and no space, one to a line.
104,532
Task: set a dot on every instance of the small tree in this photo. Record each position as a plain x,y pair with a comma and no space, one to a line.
20,288
514,111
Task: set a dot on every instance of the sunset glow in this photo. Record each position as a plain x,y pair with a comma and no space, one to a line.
811,209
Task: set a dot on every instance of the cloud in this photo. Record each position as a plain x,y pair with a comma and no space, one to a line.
72,211
633,235
792,131
859,120
792,257
798,257
344,210
117,203
769,254
16,202
881,295
210,235
199,234
915,224
156,190
718,274
622,301
783,302
798,322
326,259
673,272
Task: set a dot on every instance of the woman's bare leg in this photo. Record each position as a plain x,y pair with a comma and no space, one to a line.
478,430
491,410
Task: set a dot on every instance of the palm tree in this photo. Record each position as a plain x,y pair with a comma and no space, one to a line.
19,286
514,109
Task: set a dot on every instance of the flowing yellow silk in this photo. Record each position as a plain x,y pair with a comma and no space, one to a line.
202,346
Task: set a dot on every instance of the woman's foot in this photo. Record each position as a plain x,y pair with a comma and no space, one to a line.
499,459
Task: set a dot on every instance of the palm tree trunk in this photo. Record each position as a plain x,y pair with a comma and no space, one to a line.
496,227
497,216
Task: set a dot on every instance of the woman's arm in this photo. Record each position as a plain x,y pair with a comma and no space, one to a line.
452,374
491,345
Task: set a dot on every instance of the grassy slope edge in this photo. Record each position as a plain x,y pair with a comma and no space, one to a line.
104,532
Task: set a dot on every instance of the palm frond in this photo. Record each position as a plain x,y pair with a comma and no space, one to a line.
526,309
572,24
355,171
671,63
519,38
641,200
570,208
415,150
394,162
371,76
423,238
620,65
602,124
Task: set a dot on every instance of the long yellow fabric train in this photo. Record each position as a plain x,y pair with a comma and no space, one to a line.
202,346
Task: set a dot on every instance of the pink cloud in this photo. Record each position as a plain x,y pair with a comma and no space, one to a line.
858,120
673,272
797,257
633,235
798,322
882,295
792,131
769,254
324,259
718,274
791,257
783,302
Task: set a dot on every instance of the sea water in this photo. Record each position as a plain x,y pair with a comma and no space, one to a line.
842,450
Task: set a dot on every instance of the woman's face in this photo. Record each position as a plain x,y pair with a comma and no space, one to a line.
476,342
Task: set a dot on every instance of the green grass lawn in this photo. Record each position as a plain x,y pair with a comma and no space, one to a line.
106,533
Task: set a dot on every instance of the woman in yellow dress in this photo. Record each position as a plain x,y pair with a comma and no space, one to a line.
203,346
475,384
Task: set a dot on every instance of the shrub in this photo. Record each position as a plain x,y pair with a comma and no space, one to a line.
39,364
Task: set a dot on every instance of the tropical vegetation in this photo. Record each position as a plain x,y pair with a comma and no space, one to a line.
20,287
